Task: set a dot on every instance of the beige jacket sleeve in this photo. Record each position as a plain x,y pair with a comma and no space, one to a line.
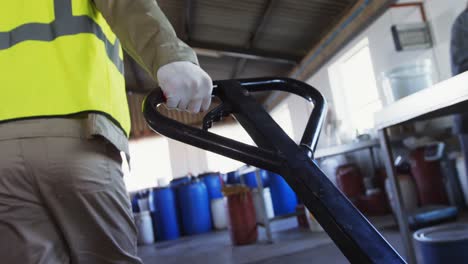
145,33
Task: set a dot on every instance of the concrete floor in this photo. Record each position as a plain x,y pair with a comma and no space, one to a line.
291,245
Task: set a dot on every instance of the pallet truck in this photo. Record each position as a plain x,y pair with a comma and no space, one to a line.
357,239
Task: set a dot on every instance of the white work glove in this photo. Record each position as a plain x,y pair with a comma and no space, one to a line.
186,86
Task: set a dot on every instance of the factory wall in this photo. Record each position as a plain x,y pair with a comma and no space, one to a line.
440,15
150,161
158,158
186,159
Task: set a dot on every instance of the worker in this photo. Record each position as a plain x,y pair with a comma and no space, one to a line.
459,60
64,121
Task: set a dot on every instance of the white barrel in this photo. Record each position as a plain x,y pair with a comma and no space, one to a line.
462,177
408,192
219,213
144,228
258,203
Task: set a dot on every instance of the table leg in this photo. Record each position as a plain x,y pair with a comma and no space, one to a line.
402,216
464,148
372,157
266,220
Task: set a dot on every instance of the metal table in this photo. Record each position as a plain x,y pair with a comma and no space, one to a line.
445,98
346,148
349,148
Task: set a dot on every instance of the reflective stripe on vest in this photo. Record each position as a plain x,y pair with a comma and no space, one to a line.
59,58
65,24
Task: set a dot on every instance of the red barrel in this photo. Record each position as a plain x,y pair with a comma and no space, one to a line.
373,203
302,216
242,220
379,178
350,180
428,178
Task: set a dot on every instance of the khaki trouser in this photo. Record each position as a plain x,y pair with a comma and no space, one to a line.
63,200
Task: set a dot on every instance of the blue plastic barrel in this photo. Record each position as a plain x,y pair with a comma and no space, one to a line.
164,215
195,208
213,184
265,178
175,184
179,181
284,198
233,177
135,205
442,244
250,179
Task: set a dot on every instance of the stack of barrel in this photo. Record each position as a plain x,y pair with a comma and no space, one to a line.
156,215
284,199
247,206
195,205
186,206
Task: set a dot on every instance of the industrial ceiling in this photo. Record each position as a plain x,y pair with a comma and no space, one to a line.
251,38
246,38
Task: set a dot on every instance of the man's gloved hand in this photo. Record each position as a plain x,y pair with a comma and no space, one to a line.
186,86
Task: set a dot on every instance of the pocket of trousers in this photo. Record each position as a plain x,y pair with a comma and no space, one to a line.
81,165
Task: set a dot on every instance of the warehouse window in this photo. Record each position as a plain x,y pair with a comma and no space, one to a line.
355,89
149,162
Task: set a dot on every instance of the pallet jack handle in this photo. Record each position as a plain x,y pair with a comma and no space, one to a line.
357,239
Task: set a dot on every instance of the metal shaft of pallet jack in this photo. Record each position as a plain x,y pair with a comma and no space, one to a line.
359,241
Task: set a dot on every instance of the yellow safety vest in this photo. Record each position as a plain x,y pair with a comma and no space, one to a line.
57,58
